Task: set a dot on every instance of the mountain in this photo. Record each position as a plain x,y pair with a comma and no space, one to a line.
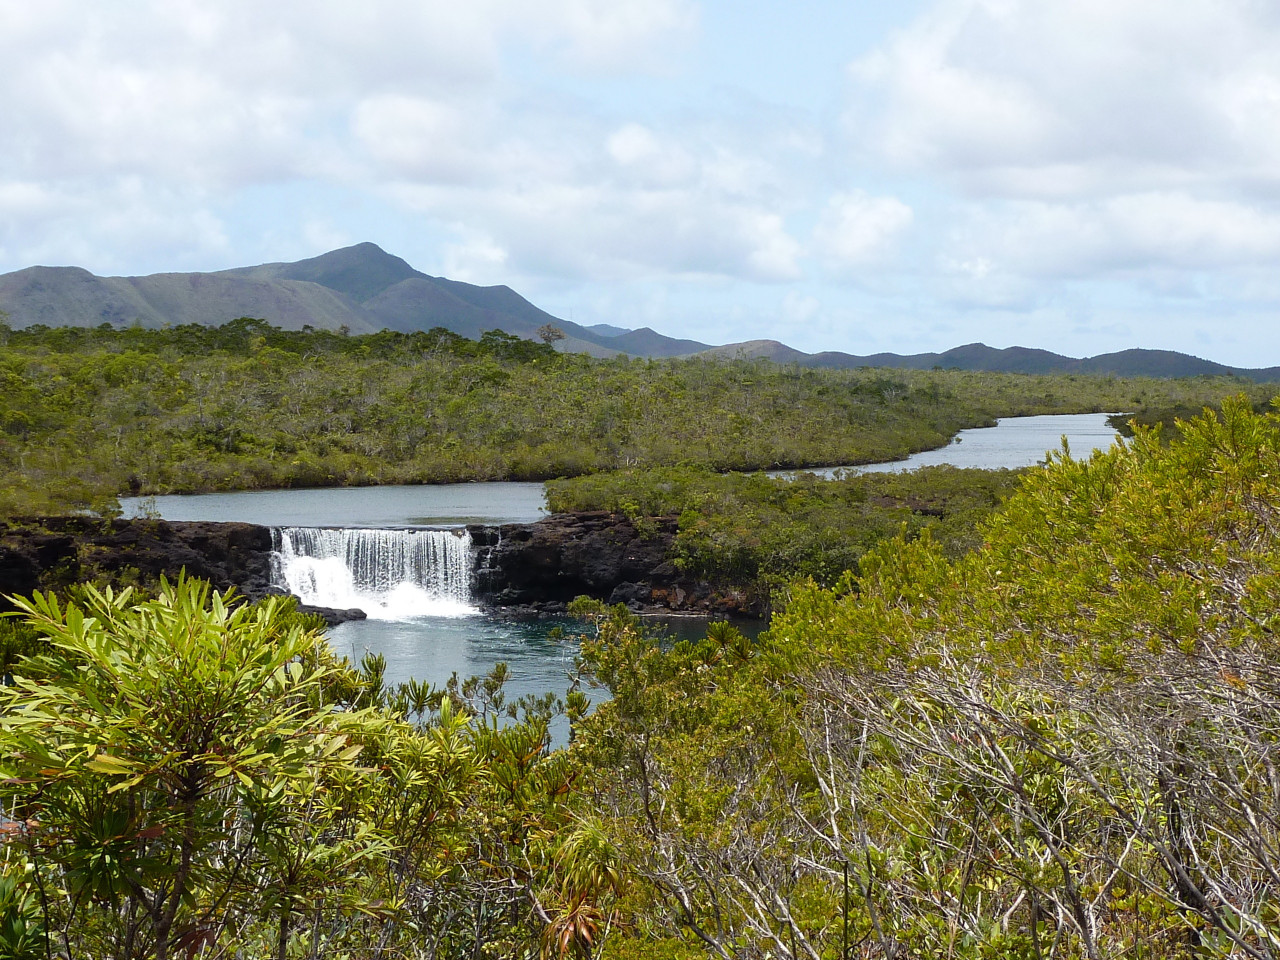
980,357
607,329
762,350
365,289
362,288
649,343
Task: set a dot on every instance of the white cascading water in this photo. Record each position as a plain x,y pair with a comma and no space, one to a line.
389,574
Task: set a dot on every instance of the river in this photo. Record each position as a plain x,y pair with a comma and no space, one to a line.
422,628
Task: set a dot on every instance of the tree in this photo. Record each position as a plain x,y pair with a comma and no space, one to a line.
549,333
1063,744
157,750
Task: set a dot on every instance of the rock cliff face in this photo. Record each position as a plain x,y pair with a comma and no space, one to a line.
533,566
544,565
53,552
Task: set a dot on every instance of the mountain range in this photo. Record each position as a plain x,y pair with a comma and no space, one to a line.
365,289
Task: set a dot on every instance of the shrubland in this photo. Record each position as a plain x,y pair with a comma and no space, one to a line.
1061,743
994,715
761,533
89,414
183,776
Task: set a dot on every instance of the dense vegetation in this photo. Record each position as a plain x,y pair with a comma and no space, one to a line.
760,533
1044,730
185,779
1063,743
87,414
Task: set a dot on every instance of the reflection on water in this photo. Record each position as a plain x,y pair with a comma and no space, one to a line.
539,651
1015,442
434,648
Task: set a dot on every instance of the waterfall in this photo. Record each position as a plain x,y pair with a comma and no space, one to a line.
389,574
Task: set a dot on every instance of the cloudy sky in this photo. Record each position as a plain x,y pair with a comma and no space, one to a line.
1078,175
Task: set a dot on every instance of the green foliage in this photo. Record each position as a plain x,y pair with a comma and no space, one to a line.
147,723
88,414
1059,744
22,932
183,774
764,532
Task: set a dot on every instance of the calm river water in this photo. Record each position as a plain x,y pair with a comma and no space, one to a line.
432,646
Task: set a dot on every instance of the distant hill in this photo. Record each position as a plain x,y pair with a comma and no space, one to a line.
978,356
649,343
607,329
72,297
362,288
765,350
365,289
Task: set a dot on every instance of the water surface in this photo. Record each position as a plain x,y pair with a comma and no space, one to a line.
1013,443
433,505
418,642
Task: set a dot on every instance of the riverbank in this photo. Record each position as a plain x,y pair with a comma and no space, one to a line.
52,553
518,568
540,567
246,407
614,537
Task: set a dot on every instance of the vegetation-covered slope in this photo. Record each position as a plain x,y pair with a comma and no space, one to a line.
86,414
754,533
1063,744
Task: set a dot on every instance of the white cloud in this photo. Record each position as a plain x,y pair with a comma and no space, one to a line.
644,158
411,101
478,259
424,139
240,92
799,308
636,203
857,230
1128,234
101,223
1095,142
595,231
603,35
1011,96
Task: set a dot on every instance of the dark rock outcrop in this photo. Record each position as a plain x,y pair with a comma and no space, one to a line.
528,567
334,615
544,565
53,552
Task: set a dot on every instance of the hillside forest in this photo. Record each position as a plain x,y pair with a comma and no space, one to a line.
1028,715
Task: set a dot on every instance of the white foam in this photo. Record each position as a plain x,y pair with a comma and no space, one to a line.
389,574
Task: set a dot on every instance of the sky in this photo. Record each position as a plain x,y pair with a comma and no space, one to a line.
1081,176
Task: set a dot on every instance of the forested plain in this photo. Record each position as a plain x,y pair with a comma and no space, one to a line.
994,715
88,414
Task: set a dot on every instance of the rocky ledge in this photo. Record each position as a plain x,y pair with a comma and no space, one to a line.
519,567
52,552
542,566
47,553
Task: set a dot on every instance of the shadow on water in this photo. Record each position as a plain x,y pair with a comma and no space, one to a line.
539,651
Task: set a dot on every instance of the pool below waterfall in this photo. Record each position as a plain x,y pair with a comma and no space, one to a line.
402,555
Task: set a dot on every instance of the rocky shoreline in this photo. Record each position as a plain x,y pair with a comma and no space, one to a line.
43,553
540,567
519,567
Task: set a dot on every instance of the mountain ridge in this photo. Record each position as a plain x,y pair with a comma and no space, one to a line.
363,289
